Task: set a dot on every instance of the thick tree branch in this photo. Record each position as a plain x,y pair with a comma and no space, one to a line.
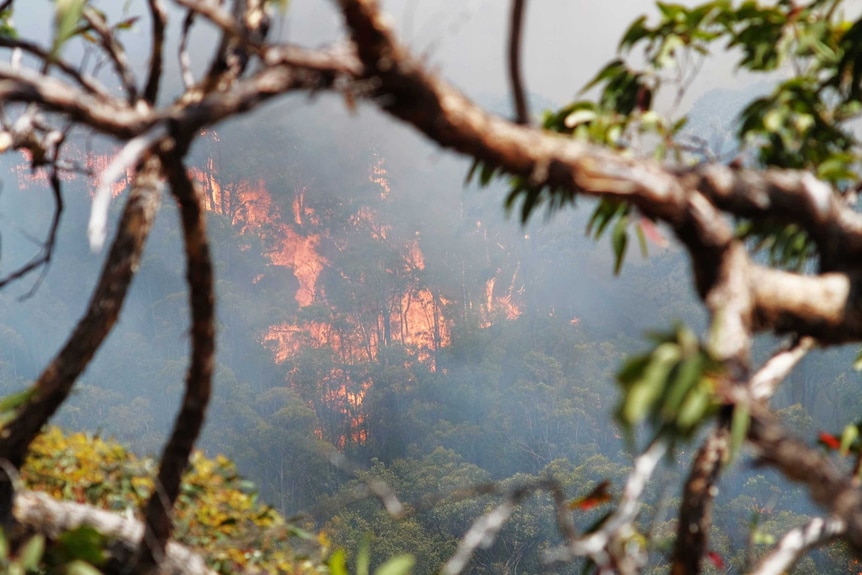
113,117
40,513
190,419
54,384
695,511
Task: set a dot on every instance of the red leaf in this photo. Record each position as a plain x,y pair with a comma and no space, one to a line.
600,494
716,559
829,440
652,233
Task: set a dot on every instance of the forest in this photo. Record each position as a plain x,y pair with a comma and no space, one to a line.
411,326
349,344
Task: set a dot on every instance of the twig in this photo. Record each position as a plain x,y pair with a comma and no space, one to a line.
481,534
374,487
114,50
160,20
43,258
765,382
515,77
124,161
185,61
595,545
89,84
796,542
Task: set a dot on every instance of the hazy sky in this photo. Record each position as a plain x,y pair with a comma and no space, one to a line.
565,41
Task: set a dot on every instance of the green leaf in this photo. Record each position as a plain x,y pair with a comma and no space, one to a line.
848,438
619,241
338,563
363,556
83,543
642,241
613,70
398,565
4,546
635,33
738,429
14,401
66,17
31,553
694,409
78,567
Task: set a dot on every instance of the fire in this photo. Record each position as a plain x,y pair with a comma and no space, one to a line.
410,314
378,176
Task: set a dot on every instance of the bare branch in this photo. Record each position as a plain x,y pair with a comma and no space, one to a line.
798,541
596,544
832,489
56,381
481,534
123,162
42,514
185,61
43,258
114,50
89,84
516,24
198,388
765,382
373,487
154,77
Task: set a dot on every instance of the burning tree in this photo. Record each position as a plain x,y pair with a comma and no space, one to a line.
791,188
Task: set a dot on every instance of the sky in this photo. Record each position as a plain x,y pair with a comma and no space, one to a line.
565,41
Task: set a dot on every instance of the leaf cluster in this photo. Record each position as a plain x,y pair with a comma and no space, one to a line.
218,512
805,122
671,386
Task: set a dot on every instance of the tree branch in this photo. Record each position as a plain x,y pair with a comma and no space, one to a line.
833,490
765,382
596,545
798,541
56,381
190,419
40,513
114,50
695,511
154,76
515,77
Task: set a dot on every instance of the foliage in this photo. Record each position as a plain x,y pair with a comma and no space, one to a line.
218,512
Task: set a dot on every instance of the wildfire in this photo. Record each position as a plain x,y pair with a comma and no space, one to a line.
411,315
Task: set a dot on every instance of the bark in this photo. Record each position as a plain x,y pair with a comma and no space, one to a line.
198,385
56,381
695,512
39,513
